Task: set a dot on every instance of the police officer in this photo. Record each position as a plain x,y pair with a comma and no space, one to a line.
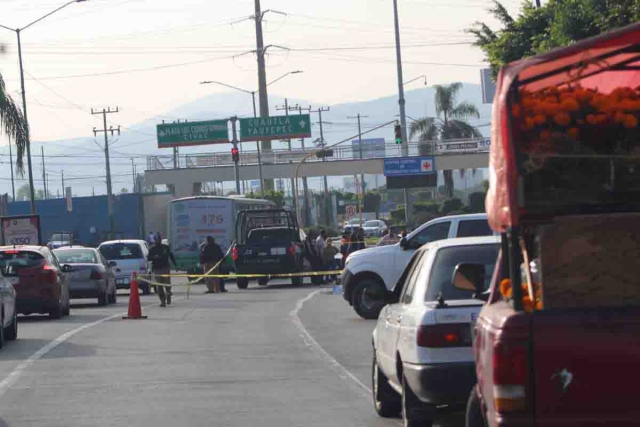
211,255
160,255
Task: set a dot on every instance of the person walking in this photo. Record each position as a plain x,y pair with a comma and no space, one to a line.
160,256
210,256
329,256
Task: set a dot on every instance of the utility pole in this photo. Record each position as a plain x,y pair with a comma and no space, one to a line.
364,186
62,173
401,103
104,113
44,177
293,185
13,185
234,141
47,186
262,82
133,174
305,186
327,201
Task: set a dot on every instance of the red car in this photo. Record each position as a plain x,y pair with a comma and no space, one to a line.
40,282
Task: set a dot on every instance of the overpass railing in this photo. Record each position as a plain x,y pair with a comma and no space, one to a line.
347,152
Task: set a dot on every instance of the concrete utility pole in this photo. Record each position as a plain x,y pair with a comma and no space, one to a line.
327,201
293,185
62,173
106,157
401,103
262,81
13,185
234,141
133,174
44,176
364,186
305,186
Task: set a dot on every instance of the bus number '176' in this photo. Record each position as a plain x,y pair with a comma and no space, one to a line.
212,219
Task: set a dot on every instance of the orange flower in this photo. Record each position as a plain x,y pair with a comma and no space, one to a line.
563,119
539,119
570,104
539,305
618,117
529,123
574,133
545,135
527,304
630,121
505,288
591,119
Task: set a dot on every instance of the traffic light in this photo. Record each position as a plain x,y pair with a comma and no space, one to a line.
235,155
398,132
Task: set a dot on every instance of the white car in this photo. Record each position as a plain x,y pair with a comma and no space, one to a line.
422,344
369,272
374,227
125,257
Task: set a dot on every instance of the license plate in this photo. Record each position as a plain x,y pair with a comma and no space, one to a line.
278,251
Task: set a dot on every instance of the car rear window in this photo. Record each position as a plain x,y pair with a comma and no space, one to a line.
60,237
473,228
115,251
446,261
269,234
76,256
11,261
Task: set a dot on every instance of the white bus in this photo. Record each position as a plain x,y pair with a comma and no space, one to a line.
192,219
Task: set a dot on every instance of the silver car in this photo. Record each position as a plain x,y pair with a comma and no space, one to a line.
90,275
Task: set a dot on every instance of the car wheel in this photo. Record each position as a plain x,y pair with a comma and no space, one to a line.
385,399
56,312
242,282
368,299
11,332
102,299
263,281
297,280
414,412
474,415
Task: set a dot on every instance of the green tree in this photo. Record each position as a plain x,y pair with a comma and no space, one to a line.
371,202
123,190
557,23
22,193
451,123
13,125
276,197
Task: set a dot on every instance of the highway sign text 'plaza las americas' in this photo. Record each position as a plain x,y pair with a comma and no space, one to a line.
276,127
192,133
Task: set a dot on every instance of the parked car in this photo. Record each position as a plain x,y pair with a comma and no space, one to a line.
40,282
90,275
422,346
125,257
352,225
374,228
9,320
369,272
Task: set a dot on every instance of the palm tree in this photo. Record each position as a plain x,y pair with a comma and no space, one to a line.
450,123
13,124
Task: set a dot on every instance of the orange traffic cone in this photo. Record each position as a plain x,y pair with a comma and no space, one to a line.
135,310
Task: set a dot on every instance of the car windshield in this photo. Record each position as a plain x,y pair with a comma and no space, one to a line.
446,261
120,251
61,237
12,261
76,256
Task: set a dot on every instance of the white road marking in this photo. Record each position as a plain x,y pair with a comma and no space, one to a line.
13,377
343,372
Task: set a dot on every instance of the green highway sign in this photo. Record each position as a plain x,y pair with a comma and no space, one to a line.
277,127
192,133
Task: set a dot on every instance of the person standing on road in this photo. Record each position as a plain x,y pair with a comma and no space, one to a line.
356,241
329,256
210,255
320,241
344,247
160,255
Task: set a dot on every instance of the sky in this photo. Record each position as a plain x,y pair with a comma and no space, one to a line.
147,57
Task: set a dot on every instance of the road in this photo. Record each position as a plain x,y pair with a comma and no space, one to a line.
273,356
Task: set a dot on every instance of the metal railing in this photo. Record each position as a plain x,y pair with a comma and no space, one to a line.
346,152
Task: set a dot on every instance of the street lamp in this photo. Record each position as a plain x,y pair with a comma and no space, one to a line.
417,78
255,113
24,96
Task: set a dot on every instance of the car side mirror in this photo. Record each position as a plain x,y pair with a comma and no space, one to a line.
404,243
469,277
66,268
112,263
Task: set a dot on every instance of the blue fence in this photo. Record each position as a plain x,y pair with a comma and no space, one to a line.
89,219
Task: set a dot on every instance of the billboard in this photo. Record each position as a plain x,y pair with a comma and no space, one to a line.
372,148
21,230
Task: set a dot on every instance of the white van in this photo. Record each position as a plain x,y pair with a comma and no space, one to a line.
125,257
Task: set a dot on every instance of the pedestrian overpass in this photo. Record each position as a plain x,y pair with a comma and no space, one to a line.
184,174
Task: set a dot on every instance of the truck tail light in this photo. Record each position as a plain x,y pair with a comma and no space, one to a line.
292,250
445,335
510,375
234,253
95,275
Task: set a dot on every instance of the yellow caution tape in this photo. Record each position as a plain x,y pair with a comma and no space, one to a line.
249,276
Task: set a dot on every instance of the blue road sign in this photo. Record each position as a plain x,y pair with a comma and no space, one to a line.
407,166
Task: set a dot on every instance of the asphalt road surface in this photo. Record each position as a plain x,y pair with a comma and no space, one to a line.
268,356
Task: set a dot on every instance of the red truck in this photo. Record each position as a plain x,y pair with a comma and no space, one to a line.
558,341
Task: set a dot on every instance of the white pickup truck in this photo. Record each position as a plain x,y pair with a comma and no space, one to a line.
368,273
